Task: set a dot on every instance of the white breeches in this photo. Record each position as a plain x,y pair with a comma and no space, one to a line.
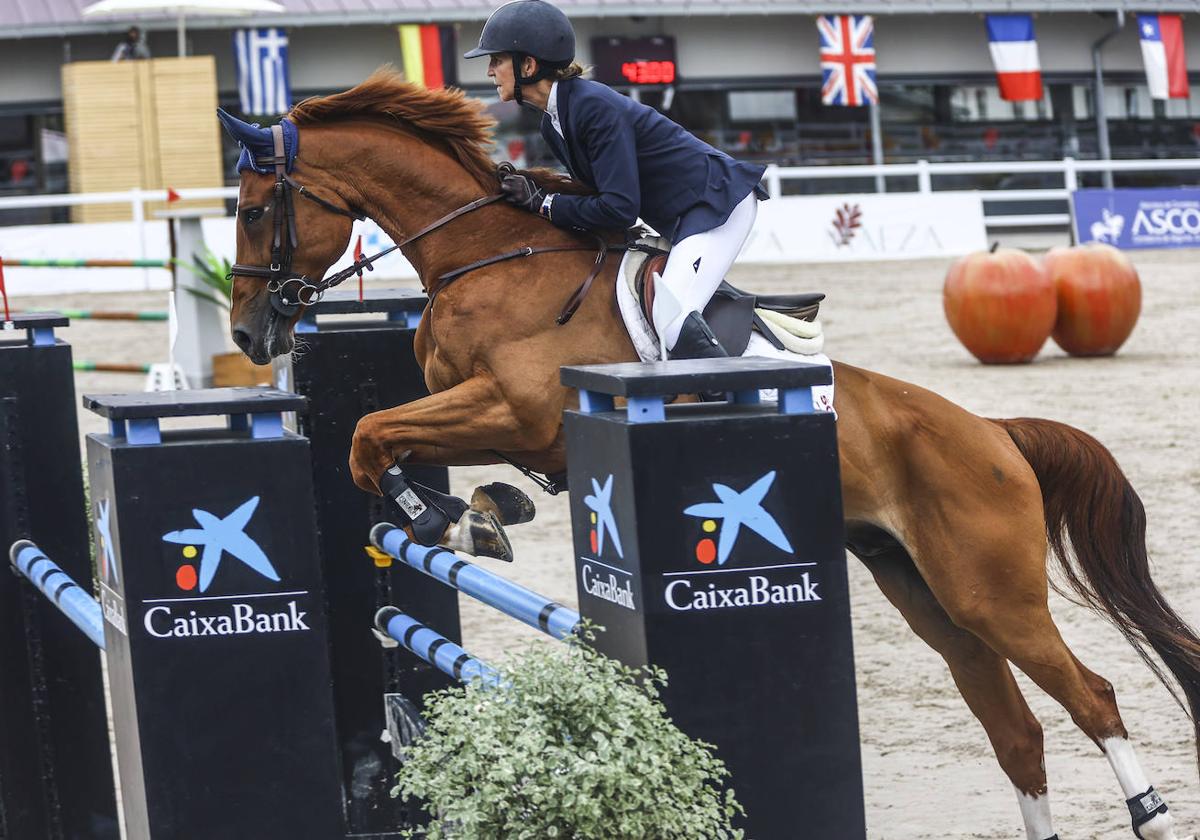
697,265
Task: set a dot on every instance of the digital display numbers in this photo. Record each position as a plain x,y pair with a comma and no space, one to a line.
648,72
634,61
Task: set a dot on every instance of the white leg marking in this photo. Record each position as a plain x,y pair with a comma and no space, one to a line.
1133,781
1035,810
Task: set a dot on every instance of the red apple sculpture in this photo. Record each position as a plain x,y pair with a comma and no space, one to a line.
1099,298
1000,304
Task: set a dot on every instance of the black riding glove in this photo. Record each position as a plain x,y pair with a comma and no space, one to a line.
522,191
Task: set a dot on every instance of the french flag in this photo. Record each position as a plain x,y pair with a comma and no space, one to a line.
1162,52
1015,54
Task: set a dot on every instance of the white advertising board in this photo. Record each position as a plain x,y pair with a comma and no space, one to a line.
832,228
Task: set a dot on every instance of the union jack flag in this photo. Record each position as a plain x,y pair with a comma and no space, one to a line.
847,59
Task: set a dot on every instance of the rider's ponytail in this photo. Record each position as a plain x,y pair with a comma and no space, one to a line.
569,72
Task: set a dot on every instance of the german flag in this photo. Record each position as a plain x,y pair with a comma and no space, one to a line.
428,51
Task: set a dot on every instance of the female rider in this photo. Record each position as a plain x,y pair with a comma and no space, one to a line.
639,162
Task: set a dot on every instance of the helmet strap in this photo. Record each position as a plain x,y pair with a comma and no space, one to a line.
543,72
518,77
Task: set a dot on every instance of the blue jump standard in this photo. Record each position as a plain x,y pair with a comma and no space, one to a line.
509,598
434,648
74,601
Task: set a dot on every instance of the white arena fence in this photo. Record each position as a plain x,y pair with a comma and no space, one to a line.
146,237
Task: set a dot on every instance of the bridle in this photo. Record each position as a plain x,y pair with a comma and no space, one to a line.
289,290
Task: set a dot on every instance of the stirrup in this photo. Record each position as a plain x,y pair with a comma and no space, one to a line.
696,340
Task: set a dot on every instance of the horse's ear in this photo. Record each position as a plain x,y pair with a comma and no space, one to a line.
252,137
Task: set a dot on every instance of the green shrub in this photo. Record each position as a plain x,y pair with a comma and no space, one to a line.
574,746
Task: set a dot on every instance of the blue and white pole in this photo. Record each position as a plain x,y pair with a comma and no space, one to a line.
74,601
497,592
434,648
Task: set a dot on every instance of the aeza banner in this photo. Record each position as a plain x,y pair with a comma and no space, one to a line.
1134,218
870,226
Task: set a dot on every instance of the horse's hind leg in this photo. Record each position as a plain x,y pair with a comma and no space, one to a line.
1000,594
982,676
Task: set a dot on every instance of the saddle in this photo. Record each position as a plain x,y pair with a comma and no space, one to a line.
788,322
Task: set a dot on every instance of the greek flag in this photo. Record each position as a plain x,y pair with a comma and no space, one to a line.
262,70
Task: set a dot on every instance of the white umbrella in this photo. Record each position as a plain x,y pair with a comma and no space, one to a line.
182,8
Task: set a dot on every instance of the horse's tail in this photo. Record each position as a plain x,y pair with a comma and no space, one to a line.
1089,503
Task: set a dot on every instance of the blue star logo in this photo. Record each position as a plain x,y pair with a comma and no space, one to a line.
737,509
224,535
108,564
600,503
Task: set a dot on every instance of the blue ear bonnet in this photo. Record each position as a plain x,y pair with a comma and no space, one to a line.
256,142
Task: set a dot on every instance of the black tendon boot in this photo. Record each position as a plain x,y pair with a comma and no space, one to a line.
438,519
696,340
428,521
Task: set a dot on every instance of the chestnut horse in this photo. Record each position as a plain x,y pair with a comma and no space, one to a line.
952,513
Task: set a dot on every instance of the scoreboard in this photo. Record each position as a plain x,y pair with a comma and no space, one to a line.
634,61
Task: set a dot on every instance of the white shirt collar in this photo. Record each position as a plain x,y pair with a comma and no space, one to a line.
552,110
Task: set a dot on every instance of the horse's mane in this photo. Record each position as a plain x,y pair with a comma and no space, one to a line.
446,118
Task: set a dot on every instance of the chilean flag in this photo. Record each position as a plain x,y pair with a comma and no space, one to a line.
1162,52
1015,54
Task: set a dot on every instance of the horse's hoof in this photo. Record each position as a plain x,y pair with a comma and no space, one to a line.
509,505
480,534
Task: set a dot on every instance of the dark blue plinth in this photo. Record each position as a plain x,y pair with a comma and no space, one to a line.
709,540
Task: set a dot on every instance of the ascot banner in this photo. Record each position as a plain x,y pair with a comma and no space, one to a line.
1133,218
869,226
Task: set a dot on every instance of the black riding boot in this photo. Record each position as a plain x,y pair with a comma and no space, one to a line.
696,340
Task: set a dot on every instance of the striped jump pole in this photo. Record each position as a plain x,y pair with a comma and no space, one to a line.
87,263
109,315
433,647
110,367
74,601
497,592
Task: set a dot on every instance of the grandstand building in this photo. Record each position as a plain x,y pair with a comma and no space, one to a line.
744,76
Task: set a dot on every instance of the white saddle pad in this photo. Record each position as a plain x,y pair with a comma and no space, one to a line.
646,344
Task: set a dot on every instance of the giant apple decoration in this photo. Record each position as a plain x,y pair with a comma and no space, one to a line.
1099,298
1000,304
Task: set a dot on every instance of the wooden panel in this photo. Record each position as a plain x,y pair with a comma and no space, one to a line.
149,124
101,110
189,140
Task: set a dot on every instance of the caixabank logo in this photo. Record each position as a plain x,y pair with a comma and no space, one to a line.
741,556
112,604
600,574
219,548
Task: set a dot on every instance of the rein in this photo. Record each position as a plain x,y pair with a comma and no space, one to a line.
280,277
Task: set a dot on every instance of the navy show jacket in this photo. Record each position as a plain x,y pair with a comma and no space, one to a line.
641,164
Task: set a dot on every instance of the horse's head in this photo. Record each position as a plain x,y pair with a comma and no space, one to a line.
284,245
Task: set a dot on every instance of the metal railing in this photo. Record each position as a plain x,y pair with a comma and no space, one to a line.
924,171
135,198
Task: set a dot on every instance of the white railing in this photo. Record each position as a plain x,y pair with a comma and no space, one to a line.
1068,168
136,199
923,170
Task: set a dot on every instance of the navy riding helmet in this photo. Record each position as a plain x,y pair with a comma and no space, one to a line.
528,27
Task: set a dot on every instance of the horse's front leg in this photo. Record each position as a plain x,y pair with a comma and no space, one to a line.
461,425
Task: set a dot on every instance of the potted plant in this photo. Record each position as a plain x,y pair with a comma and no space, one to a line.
572,745
216,273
